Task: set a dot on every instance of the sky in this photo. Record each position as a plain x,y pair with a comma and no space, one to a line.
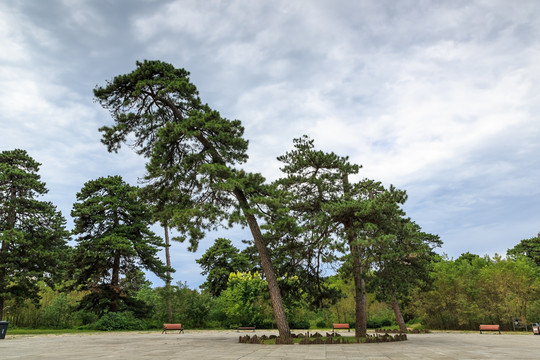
439,98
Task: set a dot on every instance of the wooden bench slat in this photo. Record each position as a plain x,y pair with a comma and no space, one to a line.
245,328
486,327
341,326
178,327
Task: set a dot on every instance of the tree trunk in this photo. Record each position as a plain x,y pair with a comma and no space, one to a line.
115,281
168,283
360,328
266,264
11,220
399,316
3,252
1,307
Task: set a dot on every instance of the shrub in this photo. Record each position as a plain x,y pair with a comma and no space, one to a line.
300,324
321,324
119,321
374,324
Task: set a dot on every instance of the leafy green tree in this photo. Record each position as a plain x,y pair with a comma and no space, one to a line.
528,247
114,241
473,290
242,298
218,262
32,232
509,288
189,147
190,307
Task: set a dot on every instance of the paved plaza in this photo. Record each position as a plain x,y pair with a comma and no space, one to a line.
203,345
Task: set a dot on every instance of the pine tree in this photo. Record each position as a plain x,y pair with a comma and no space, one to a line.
32,232
360,217
218,262
114,241
189,147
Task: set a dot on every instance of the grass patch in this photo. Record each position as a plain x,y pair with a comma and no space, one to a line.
48,331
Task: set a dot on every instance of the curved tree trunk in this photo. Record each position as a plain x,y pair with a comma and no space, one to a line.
399,316
266,264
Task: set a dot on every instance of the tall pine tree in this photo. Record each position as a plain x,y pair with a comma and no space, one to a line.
114,241
191,147
32,232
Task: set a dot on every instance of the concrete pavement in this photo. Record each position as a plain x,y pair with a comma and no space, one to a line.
201,345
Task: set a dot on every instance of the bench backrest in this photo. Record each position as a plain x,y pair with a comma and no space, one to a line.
489,327
341,326
172,326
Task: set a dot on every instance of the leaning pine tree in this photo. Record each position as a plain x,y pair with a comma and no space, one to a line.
189,147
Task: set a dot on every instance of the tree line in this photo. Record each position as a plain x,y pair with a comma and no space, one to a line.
317,215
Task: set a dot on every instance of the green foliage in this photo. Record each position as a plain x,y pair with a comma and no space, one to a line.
243,301
119,321
114,243
218,262
189,307
33,238
402,259
323,212
58,314
472,290
188,145
529,248
190,148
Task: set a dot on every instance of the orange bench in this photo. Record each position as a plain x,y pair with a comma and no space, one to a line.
340,326
490,328
172,327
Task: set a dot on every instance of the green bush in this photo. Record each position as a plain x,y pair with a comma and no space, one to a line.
374,324
119,321
265,324
300,324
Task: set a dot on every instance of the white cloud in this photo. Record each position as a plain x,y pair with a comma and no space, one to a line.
440,98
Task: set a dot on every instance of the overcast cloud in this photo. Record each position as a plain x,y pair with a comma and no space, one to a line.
438,98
